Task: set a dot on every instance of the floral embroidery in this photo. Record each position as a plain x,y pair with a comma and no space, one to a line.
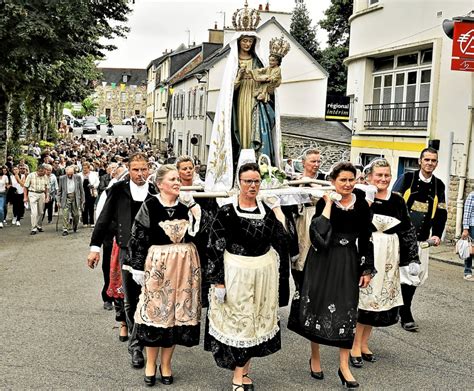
332,308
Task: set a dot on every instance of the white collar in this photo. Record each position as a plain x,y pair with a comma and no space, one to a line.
254,216
350,206
139,193
426,180
158,196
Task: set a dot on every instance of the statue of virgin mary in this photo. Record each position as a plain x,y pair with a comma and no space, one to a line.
241,121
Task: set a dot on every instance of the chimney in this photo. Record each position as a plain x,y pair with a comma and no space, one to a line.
267,7
216,35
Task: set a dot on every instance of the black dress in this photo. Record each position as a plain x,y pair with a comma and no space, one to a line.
231,231
169,308
325,310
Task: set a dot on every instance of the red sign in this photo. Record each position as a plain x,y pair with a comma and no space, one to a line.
463,47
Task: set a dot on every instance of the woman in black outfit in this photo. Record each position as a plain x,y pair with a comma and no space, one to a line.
340,261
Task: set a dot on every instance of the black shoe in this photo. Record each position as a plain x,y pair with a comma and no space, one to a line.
166,380
248,387
34,232
316,375
356,362
150,380
137,359
65,233
347,383
410,326
108,306
123,338
370,357
40,229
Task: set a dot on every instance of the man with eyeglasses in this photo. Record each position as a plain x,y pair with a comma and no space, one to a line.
424,195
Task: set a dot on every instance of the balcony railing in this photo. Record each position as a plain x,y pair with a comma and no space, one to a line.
397,115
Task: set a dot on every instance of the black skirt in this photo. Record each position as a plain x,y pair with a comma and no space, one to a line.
378,319
167,337
229,357
325,310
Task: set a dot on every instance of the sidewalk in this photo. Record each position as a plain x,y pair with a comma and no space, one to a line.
446,253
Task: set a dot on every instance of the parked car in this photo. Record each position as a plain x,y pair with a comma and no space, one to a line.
94,120
128,120
89,128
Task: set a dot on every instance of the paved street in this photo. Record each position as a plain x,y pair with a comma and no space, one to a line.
55,334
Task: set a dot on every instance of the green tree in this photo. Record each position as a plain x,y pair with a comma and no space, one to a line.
303,31
89,106
336,23
48,44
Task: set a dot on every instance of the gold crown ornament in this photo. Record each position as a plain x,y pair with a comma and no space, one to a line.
246,19
279,47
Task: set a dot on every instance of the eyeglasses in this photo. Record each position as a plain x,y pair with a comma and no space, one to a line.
250,182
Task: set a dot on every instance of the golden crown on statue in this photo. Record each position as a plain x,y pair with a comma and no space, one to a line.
246,19
279,47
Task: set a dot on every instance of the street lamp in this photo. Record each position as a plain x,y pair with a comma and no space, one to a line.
199,77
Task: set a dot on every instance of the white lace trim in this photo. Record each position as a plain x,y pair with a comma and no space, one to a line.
243,344
348,207
252,216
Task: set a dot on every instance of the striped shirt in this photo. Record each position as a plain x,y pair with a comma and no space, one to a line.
468,216
37,184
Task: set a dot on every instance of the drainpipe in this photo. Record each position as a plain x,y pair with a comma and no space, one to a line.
465,159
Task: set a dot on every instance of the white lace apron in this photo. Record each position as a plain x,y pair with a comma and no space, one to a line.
249,315
384,291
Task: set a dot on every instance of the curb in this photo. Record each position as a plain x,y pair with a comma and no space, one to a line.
456,263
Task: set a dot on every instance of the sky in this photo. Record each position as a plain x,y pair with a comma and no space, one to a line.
157,25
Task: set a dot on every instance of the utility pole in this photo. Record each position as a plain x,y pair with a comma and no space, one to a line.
189,36
223,23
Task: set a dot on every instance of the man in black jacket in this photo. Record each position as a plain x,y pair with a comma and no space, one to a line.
124,199
425,198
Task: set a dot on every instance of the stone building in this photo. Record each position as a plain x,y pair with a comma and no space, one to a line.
121,93
332,139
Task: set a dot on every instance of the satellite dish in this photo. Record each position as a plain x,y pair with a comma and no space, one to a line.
194,140
448,27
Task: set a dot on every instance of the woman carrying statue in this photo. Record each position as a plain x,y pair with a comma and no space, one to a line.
165,262
243,267
339,261
395,245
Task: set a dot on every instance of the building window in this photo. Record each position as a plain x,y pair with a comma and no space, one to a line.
201,102
123,97
122,113
401,91
193,96
109,95
373,2
367,158
406,164
138,98
189,103
182,104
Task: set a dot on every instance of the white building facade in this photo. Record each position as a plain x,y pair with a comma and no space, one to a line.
405,95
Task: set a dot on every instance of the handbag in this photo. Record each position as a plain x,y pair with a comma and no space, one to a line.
464,248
